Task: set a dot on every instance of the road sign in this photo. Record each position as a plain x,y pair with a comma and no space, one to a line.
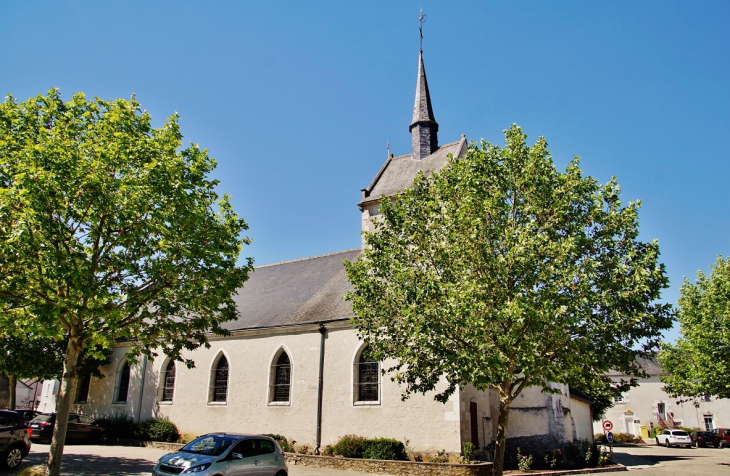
607,425
609,437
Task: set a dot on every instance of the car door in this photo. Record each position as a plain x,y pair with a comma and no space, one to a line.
72,430
243,460
86,429
6,427
270,459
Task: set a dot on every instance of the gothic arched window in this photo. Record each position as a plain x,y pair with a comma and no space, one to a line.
219,382
120,395
282,379
368,377
168,382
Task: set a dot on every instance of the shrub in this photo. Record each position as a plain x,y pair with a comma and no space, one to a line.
468,451
349,446
284,444
384,448
441,457
328,451
157,429
523,462
553,458
118,425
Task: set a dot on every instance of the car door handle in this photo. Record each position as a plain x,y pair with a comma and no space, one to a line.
256,462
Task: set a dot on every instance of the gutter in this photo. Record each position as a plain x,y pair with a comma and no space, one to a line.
322,333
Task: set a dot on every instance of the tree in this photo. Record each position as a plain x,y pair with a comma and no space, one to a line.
110,230
28,356
500,272
699,362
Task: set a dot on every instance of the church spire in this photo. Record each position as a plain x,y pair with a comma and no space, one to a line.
424,129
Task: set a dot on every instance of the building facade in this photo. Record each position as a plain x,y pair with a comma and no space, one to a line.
648,406
294,365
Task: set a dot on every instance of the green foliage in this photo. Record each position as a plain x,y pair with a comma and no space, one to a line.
582,453
440,457
618,438
699,362
349,446
553,458
524,462
157,429
282,441
467,450
384,448
119,425
111,229
501,272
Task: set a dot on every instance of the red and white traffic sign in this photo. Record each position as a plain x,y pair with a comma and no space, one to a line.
607,425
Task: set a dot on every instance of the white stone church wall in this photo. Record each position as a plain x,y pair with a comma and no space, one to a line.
430,425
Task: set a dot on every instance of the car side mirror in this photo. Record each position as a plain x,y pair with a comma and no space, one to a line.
237,456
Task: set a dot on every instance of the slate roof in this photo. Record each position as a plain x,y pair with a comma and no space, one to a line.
304,291
422,109
398,173
650,366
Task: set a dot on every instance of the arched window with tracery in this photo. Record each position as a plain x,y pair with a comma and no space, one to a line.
219,382
367,373
122,387
281,387
168,382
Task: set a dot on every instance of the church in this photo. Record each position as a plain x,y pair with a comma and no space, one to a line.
293,363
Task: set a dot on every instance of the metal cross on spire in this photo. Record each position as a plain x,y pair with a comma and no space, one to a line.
422,19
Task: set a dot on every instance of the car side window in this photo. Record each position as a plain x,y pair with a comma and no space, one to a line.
246,448
727,432
87,420
266,447
5,421
73,419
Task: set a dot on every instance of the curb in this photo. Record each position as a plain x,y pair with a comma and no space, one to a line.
601,469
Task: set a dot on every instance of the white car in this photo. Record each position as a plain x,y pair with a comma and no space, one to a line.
674,438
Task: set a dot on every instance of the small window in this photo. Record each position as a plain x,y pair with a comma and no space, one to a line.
82,396
368,377
168,382
219,390
618,399
120,396
282,379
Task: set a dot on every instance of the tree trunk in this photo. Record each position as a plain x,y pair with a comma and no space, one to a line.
500,443
63,405
12,384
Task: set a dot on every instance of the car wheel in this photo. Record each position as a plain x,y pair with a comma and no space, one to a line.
666,442
657,441
697,444
12,458
281,473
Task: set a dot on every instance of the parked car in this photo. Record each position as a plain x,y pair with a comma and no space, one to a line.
225,453
80,428
27,415
723,436
705,438
674,438
14,439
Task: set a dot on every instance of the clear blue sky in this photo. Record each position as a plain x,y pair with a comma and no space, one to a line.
296,100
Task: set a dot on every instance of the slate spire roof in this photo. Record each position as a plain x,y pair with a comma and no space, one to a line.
422,108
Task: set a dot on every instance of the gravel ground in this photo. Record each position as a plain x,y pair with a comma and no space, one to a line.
97,460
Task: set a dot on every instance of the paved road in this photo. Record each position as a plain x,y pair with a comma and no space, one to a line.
94,460
674,461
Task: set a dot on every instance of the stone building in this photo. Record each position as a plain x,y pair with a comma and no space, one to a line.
648,406
294,365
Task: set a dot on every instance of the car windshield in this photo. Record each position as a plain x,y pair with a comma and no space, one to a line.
43,417
679,433
213,445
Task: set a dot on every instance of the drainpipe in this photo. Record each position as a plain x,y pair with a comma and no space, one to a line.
322,331
141,390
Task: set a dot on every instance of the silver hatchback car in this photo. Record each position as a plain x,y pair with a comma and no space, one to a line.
225,454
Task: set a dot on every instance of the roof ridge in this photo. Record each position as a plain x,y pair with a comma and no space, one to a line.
306,259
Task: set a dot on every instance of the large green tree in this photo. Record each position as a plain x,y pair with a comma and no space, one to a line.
699,362
110,229
503,273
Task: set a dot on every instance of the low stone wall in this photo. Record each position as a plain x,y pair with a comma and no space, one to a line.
400,468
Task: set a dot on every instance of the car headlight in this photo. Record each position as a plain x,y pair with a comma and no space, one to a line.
198,468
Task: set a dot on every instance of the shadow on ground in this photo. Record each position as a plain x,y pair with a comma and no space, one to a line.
90,465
